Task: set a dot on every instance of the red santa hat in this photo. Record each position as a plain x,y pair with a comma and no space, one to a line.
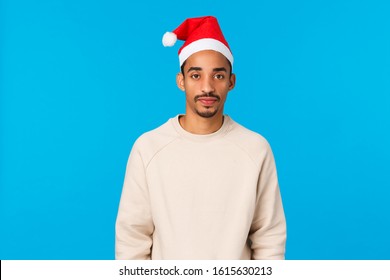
202,33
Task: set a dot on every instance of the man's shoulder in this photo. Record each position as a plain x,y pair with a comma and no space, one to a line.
242,135
164,130
157,138
252,143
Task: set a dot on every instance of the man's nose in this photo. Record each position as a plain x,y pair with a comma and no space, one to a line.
207,85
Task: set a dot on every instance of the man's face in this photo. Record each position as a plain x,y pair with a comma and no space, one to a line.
206,82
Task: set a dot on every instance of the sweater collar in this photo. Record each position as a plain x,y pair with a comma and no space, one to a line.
201,137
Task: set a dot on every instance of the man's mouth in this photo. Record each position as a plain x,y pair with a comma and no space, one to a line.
207,101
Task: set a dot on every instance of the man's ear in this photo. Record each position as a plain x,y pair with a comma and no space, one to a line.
232,81
180,81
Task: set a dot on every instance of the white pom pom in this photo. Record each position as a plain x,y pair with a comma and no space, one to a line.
169,39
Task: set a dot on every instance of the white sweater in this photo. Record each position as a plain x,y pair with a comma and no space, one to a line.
188,196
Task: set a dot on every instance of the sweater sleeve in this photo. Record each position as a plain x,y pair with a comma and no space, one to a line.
268,230
134,225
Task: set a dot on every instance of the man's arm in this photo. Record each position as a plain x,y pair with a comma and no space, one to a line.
268,230
134,225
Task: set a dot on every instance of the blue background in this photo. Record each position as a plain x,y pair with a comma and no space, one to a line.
81,80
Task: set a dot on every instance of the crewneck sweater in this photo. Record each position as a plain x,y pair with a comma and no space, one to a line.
190,196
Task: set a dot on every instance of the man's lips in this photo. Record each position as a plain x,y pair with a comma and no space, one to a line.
207,101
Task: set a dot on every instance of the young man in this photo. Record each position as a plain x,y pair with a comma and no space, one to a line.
201,186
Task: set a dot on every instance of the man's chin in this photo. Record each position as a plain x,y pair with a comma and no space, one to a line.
207,114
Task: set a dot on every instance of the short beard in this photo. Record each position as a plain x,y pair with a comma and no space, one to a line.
207,114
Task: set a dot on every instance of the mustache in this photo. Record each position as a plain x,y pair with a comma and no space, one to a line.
207,95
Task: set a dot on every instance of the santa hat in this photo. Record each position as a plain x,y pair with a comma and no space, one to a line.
202,33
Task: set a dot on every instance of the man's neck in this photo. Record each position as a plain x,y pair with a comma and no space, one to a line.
201,125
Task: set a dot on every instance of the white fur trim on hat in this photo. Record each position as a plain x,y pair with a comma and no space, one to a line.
169,39
205,44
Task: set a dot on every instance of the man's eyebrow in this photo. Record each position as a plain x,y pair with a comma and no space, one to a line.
194,69
218,69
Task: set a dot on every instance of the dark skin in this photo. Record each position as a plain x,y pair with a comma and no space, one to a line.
184,63
206,80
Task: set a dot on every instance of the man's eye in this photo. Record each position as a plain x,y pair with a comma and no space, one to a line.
195,76
219,76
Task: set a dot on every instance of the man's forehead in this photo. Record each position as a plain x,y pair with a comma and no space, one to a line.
208,58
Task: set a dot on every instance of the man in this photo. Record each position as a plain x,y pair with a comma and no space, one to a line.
201,186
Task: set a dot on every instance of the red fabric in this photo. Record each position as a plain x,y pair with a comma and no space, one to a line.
193,29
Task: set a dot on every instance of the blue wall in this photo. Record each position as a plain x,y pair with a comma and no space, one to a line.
81,80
